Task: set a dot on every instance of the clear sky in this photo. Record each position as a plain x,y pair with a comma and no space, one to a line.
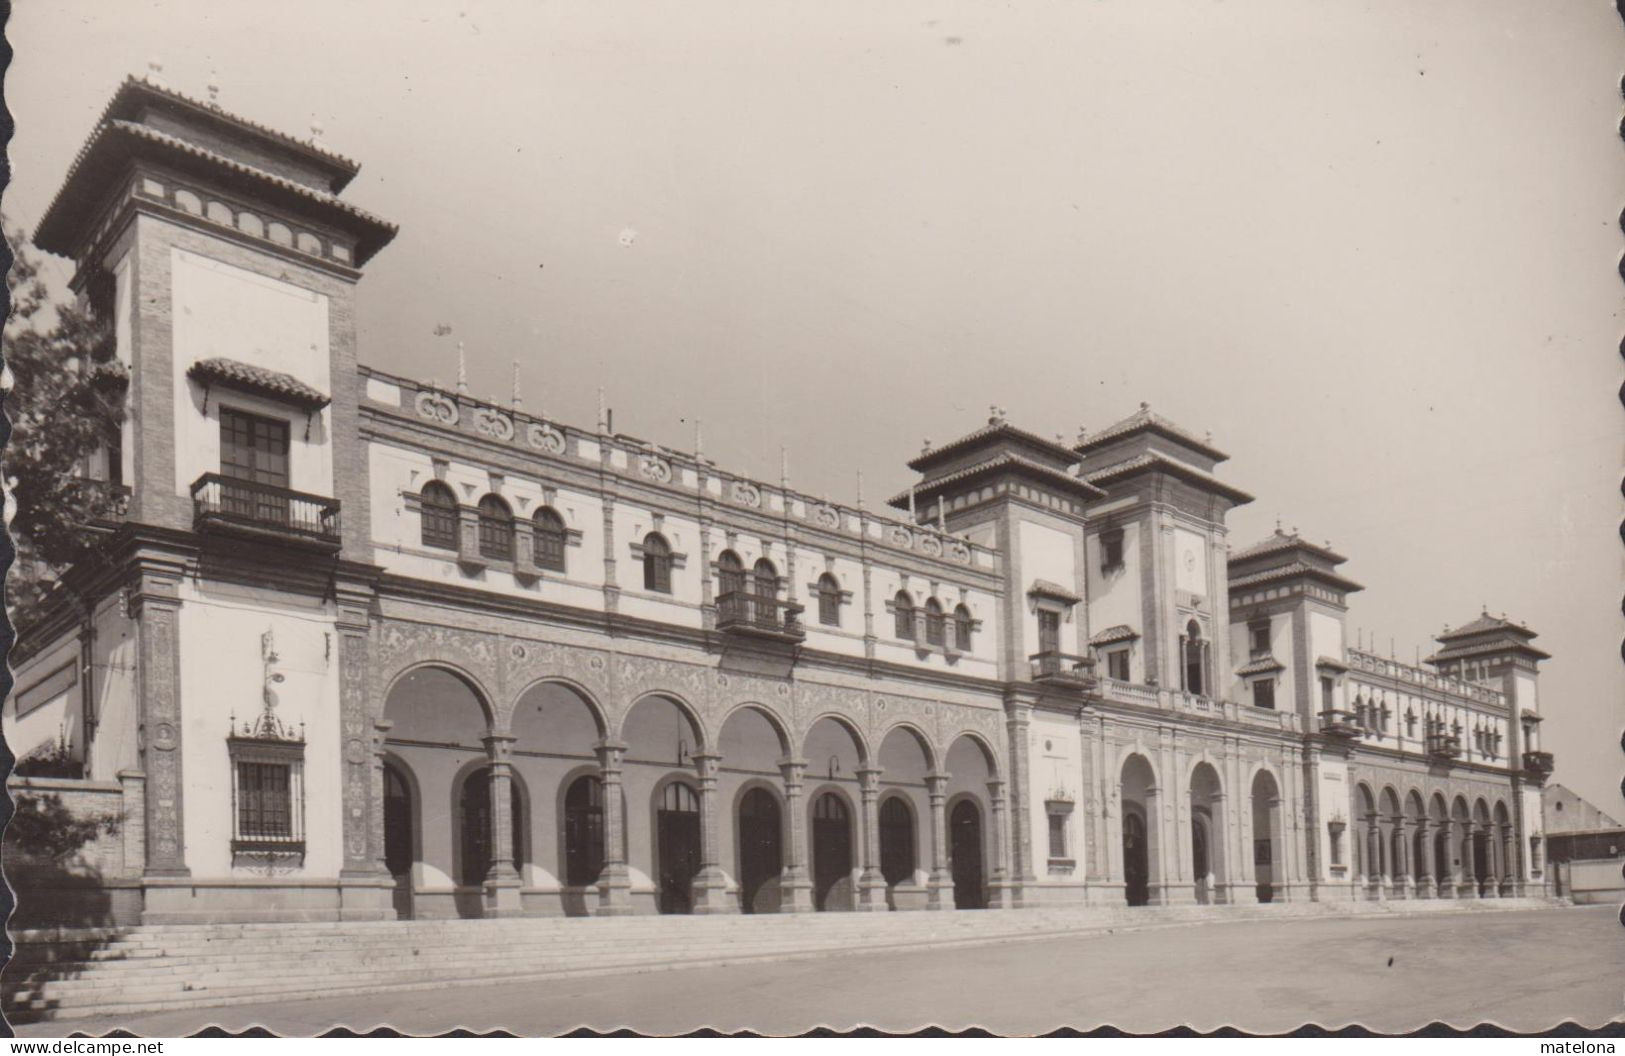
1370,246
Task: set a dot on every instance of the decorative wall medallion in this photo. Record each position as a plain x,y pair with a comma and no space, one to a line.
596,663
544,437
518,651
722,680
880,705
655,468
355,751
437,407
827,516
745,492
783,690
930,546
163,737
959,552
490,422
900,536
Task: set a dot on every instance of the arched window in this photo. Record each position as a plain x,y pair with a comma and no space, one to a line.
730,574
936,628
439,516
656,563
548,537
829,601
679,798
963,625
496,529
903,611
583,831
896,841
1195,659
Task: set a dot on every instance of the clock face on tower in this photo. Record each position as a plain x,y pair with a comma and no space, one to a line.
1190,562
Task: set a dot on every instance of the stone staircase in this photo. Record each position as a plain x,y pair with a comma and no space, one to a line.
60,974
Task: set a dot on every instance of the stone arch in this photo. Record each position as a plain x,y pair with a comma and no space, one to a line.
582,693
781,731
699,739
1141,827
990,755
916,735
1209,830
1269,835
845,723
482,696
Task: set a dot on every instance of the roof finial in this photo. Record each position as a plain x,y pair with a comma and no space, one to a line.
860,489
925,446
912,515
603,412
995,414
155,72
942,514
1145,405
518,401
462,371
784,467
316,130
214,89
1083,433
699,441
1278,525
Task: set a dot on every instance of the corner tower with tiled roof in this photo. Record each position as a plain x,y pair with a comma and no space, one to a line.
226,260
1155,558
1288,603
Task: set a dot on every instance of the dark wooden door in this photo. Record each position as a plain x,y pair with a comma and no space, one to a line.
678,822
965,848
761,854
254,450
1136,864
832,847
398,850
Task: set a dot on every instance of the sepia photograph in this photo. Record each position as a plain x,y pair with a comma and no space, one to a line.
567,517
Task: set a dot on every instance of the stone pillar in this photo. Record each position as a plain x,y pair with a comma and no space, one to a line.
1373,859
710,888
796,885
362,790
614,883
1510,887
1467,881
1018,721
502,882
1445,881
1491,886
999,895
154,605
1404,883
940,887
1424,883
871,883
375,811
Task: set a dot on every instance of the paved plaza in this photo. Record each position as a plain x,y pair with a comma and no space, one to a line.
1524,971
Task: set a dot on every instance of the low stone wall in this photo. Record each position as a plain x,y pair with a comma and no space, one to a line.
93,881
1593,881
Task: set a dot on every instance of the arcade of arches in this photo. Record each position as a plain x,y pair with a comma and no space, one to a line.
557,814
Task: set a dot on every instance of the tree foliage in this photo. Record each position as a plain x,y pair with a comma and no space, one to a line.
64,399
43,828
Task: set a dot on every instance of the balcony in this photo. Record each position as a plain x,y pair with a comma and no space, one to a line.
1064,670
1443,746
248,509
1539,763
758,616
1336,723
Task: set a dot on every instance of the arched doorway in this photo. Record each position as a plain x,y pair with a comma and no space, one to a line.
965,851
399,843
1139,811
584,831
1200,865
1136,863
1268,868
832,850
896,841
1207,846
761,851
677,824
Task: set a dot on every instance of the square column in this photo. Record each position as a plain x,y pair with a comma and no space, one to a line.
940,887
871,884
614,883
710,887
154,602
794,884
502,882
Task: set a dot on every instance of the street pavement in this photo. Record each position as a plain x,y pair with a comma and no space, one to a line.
1524,970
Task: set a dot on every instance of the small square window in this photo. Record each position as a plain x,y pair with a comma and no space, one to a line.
1264,693
1326,688
1111,550
1260,639
1117,665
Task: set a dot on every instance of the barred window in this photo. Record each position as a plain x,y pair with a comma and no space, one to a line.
496,529
264,800
548,535
439,516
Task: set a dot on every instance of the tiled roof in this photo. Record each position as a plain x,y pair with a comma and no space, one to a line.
1048,589
1174,468
133,87
1077,485
272,383
64,216
994,428
1487,624
1461,650
1296,568
1120,633
1145,419
1261,665
1281,542
1331,662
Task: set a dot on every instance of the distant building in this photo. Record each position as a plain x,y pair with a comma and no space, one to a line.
366,645
1577,828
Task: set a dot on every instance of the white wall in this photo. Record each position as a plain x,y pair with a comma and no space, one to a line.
222,674
220,310
48,688
1046,553
1115,599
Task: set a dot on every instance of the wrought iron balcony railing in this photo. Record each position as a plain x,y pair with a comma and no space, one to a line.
246,507
1538,762
1337,723
756,615
1063,669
